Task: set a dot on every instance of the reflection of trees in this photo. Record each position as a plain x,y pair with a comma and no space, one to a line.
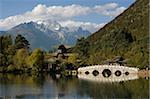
66,85
131,89
72,86
39,79
31,80
23,85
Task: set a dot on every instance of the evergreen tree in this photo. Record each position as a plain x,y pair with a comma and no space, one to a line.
21,42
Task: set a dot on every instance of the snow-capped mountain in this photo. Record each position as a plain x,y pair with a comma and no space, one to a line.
48,25
46,33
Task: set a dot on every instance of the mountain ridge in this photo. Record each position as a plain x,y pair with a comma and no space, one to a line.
46,34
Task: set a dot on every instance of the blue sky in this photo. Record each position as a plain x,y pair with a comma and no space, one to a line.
100,15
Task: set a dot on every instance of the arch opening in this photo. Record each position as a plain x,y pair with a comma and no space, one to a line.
118,73
126,73
95,72
87,72
106,73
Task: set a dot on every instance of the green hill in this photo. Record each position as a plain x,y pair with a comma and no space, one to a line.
126,36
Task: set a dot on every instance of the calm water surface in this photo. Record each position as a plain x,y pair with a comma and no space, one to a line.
54,87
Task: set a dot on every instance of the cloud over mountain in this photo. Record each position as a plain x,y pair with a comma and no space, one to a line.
92,27
62,13
111,9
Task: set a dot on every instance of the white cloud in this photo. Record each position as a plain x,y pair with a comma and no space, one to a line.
101,8
92,27
59,13
114,13
41,12
110,10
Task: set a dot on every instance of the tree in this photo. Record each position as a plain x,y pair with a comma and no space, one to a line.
21,42
73,58
5,53
13,55
36,60
20,59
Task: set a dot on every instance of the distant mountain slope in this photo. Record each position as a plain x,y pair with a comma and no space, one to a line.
46,34
126,36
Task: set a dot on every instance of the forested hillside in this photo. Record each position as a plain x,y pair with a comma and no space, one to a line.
126,36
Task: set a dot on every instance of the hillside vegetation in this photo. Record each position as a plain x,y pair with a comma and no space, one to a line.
126,36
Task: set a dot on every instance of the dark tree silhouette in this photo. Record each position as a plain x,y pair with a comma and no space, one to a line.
21,42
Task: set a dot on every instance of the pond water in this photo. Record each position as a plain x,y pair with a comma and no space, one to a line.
57,87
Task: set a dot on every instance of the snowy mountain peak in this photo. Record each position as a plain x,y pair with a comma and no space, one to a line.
46,33
48,25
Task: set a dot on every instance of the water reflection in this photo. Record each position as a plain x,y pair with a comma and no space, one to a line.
58,87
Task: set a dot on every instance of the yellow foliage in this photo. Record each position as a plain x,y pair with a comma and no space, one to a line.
20,58
73,58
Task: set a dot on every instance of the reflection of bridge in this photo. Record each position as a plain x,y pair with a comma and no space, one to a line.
108,73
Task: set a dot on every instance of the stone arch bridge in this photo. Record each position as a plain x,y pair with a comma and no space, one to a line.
108,73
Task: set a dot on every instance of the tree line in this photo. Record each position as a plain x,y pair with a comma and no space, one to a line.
15,55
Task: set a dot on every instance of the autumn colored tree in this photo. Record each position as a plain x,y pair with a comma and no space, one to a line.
36,60
20,59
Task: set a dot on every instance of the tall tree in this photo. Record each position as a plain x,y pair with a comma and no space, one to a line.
5,52
21,42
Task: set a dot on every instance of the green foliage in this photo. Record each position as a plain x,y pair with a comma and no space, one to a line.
5,42
36,60
97,58
82,48
127,36
6,52
73,58
13,56
20,59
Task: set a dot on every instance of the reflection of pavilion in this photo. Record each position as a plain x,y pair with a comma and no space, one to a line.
108,73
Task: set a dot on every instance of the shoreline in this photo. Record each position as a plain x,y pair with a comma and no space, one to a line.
141,73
